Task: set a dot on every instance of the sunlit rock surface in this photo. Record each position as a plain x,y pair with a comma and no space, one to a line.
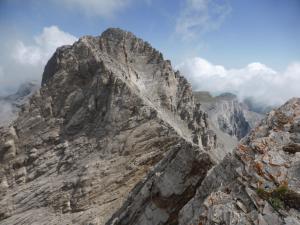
109,109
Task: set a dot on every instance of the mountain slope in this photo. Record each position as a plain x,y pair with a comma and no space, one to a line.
230,119
110,108
228,114
260,182
114,136
257,184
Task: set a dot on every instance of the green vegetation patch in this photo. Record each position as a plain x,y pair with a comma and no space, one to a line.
280,197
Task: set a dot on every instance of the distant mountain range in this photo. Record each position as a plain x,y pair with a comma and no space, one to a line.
10,105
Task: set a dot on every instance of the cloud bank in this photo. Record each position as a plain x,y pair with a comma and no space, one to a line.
200,16
23,62
256,80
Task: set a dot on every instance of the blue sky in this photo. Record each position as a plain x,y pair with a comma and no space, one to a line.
230,33
256,30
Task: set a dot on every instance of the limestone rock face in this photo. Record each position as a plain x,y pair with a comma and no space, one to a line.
109,109
229,118
228,114
259,182
115,137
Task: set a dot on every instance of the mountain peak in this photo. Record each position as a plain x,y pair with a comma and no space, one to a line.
113,116
113,32
119,55
109,108
114,44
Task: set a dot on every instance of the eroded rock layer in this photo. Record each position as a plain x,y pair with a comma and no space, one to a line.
114,137
230,119
109,109
259,183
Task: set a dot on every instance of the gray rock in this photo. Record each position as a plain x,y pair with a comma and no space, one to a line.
114,137
230,119
109,109
228,114
254,176
244,188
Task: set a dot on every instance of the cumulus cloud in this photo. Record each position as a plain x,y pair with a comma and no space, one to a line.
256,80
21,62
200,16
43,47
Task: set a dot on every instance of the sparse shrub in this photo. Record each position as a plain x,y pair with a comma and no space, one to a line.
275,197
263,193
276,203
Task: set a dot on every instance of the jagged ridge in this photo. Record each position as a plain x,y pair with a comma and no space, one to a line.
109,109
257,184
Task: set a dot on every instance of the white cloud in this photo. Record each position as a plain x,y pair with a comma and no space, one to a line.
256,80
104,8
24,62
200,16
43,47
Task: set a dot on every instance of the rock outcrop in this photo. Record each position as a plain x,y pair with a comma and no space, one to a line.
257,184
109,109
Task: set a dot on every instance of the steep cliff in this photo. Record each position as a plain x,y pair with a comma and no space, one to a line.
257,184
228,114
229,118
114,136
110,108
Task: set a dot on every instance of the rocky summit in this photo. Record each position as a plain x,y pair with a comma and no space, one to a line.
115,136
109,109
